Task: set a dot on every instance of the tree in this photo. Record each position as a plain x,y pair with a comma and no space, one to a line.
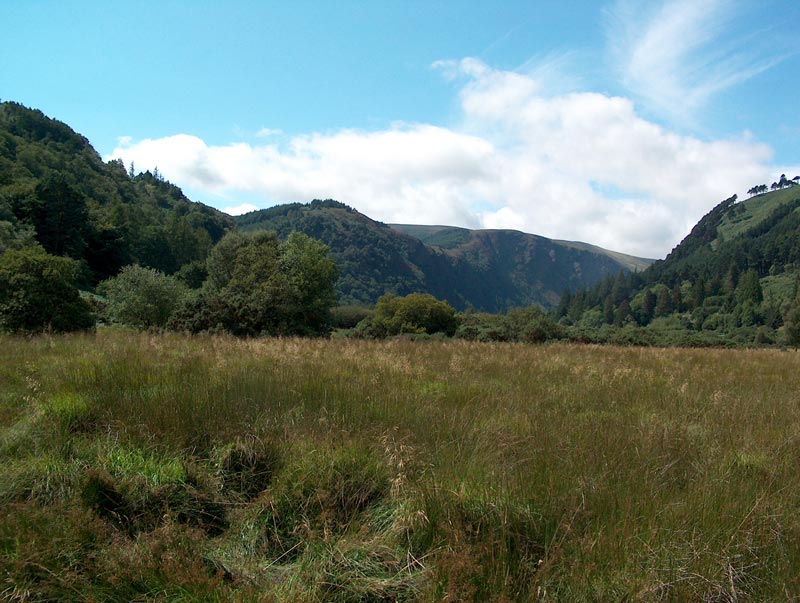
791,325
187,243
731,278
620,290
648,306
193,274
15,237
60,217
677,297
532,325
749,288
622,313
663,303
38,292
222,259
698,292
577,305
142,297
564,303
311,277
608,309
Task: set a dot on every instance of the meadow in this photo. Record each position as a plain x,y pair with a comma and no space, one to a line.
141,467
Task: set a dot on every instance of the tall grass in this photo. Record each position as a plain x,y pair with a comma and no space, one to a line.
311,470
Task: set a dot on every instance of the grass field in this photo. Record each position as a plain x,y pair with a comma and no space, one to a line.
165,468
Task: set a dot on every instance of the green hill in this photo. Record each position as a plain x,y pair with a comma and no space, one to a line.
736,274
56,189
490,270
761,233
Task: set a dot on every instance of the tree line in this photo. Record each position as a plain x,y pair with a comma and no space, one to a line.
780,184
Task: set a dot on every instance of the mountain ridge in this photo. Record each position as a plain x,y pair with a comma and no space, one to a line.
490,270
430,234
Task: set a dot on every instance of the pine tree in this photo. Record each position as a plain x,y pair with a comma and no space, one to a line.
663,303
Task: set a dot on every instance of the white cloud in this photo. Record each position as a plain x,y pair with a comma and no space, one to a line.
411,173
238,210
580,166
676,55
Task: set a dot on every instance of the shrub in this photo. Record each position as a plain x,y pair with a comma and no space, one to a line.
347,317
142,297
529,325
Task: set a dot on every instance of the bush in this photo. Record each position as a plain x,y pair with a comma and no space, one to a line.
347,317
529,325
414,313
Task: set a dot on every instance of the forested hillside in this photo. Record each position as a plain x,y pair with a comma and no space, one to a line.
491,270
70,221
735,275
56,190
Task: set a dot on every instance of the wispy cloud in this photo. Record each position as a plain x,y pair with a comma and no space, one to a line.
267,132
676,55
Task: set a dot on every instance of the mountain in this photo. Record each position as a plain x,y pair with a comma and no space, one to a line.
55,189
738,269
454,237
490,270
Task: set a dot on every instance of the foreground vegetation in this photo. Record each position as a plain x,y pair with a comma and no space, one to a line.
172,468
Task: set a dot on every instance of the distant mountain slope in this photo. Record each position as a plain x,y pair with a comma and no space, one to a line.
54,184
631,262
452,237
491,270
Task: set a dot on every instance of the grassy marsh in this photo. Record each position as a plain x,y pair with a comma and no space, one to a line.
144,467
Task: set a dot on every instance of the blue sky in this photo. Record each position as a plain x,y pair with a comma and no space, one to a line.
619,123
